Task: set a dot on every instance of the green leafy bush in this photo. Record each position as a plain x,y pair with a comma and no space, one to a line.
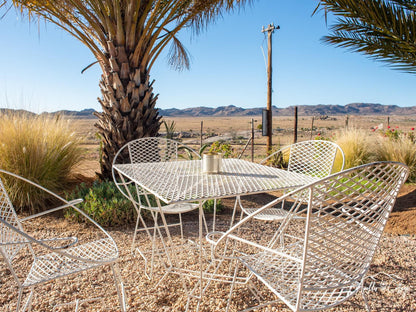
209,206
221,147
41,149
104,203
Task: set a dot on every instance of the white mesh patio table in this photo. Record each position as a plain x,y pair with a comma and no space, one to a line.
184,181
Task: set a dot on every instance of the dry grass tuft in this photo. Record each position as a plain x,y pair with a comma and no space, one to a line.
357,146
42,149
401,149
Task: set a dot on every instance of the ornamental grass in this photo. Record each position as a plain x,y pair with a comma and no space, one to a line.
401,149
41,149
358,146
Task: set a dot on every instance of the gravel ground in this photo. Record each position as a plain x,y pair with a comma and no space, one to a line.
392,286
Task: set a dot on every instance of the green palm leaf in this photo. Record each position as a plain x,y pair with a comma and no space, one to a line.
384,30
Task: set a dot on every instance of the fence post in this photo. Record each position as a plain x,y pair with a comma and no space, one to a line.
313,118
295,127
202,126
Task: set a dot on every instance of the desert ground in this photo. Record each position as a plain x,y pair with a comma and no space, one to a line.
238,129
391,285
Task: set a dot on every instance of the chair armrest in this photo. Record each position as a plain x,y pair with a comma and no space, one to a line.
69,204
72,241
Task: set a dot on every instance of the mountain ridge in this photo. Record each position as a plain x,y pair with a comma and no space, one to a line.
303,110
232,110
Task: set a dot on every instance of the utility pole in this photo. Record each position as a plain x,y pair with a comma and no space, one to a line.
252,139
270,30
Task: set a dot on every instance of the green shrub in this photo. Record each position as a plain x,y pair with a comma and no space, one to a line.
104,203
209,206
41,149
279,160
221,147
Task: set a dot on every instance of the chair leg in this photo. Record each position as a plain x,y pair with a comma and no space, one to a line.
28,304
119,287
365,298
232,285
135,229
181,226
19,299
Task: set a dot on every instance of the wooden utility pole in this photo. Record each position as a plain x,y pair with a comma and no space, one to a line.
252,139
270,30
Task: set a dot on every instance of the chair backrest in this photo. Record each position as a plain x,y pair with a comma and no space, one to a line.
346,217
8,236
11,242
315,157
150,149
147,150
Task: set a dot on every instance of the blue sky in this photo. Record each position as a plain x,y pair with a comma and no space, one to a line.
41,66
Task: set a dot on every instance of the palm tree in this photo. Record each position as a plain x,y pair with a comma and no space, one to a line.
383,29
126,37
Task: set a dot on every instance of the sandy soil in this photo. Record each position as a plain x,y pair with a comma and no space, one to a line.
390,287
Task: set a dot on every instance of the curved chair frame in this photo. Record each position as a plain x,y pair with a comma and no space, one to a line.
324,262
314,158
52,262
143,150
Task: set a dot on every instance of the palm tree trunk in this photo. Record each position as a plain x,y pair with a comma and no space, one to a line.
128,105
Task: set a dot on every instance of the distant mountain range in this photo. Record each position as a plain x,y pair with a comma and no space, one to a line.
231,110
303,110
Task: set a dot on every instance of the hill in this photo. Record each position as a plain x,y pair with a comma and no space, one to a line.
303,110
231,110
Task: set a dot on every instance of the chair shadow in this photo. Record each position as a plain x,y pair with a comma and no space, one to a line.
405,202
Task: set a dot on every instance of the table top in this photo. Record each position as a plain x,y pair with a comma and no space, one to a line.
184,181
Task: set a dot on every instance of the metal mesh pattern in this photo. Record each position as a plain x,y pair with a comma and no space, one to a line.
315,158
152,150
8,236
321,260
148,151
181,181
54,265
50,257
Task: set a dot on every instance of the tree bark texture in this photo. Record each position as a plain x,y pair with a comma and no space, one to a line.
128,105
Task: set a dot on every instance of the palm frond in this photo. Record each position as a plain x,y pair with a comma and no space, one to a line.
383,30
143,28
178,56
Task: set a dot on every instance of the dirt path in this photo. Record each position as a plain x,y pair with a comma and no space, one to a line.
403,218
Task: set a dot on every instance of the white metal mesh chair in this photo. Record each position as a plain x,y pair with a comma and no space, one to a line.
323,259
52,257
315,158
148,150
